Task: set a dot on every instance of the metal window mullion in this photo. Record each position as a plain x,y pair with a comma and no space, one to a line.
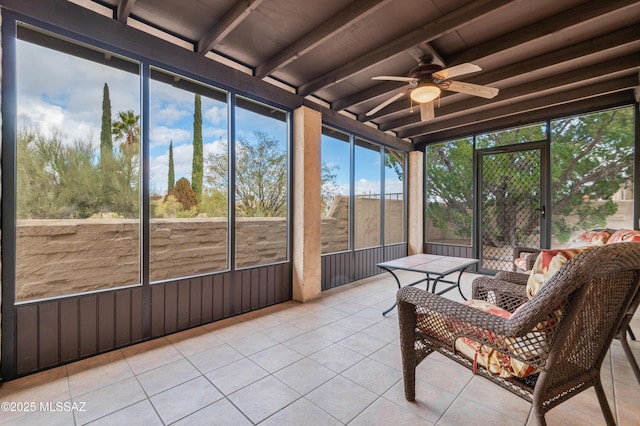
383,192
145,212
9,139
352,189
231,170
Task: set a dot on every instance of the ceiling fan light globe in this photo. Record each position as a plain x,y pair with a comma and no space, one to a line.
425,93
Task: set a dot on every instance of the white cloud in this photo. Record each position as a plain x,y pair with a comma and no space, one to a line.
161,136
363,186
216,114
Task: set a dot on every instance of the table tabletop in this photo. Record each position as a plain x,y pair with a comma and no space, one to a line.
429,263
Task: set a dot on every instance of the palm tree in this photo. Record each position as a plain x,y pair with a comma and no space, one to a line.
127,127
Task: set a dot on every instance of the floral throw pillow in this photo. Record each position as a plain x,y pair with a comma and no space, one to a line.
625,236
596,238
547,264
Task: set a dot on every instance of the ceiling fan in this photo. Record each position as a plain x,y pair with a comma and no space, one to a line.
426,82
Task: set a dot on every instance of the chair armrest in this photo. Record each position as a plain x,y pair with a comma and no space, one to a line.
518,250
512,277
528,253
505,294
468,320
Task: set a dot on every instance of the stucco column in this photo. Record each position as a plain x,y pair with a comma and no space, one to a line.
307,130
415,213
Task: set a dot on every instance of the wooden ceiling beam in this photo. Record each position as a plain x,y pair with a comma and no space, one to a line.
228,23
577,15
387,88
124,10
446,23
541,102
350,15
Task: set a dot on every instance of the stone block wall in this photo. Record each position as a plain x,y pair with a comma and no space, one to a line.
63,257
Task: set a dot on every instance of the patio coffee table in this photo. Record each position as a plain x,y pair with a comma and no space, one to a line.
435,268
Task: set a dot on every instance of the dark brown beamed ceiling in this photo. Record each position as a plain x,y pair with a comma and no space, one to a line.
547,57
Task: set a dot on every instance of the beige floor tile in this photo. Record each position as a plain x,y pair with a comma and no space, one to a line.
385,412
389,355
334,332
307,343
236,375
386,331
356,323
40,417
234,331
305,375
431,402
249,345
141,413
301,412
109,399
497,399
185,399
466,412
149,355
276,357
30,391
222,412
444,373
342,398
263,398
167,376
362,343
336,357
374,376
284,332
195,340
91,374
567,415
32,381
215,358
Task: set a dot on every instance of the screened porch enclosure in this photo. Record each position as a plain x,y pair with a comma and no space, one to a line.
533,186
168,165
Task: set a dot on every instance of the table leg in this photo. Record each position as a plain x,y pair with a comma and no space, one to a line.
457,283
399,286
398,282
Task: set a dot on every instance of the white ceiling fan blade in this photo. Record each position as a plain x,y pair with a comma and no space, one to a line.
427,111
385,103
456,70
394,78
472,89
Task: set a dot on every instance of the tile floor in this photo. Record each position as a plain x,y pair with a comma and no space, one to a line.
332,361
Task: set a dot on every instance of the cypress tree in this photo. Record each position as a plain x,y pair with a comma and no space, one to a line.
106,142
198,160
109,183
172,175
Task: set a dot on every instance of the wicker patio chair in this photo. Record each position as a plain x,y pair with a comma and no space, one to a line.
563,332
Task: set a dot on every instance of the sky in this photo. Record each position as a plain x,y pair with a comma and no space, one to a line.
59,91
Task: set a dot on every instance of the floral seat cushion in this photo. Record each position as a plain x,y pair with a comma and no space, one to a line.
494,361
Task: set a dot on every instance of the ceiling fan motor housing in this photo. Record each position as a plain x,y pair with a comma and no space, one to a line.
424,71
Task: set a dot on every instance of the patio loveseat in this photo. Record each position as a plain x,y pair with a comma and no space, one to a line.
524,257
